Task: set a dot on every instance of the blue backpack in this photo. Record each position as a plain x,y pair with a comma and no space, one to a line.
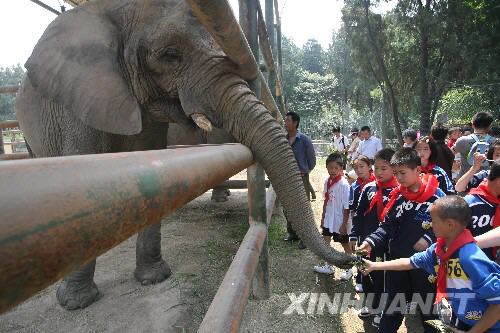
480,146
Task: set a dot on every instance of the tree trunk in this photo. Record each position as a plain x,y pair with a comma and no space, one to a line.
425,102
393,104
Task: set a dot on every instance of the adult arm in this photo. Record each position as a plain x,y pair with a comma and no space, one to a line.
310,154
379,145
489,239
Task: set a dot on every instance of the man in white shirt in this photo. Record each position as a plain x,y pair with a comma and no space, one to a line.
370,144
339,141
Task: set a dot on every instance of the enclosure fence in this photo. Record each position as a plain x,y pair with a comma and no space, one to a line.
85,210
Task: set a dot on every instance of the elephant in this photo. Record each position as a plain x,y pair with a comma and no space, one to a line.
110,75
185,135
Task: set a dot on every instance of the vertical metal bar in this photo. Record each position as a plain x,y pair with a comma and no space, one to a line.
255,174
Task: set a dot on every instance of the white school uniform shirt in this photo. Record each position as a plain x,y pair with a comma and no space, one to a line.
339,200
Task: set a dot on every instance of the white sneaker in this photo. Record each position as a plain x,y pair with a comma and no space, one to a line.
376,320
325,269
364,312
358,288
346,275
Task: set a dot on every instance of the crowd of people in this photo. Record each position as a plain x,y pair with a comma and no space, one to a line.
423,217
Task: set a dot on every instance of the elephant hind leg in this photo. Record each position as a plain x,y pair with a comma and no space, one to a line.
78,289
220,194
150,267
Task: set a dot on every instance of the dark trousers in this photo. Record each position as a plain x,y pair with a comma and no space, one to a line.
373,284
410,283
310,193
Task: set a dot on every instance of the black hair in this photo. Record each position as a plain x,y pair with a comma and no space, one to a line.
455,208
295,117
336,129
482,120
384,154
494,171
362,158
365,128
432,146
410,133
336,157
406,157
439,132
494,145
495,132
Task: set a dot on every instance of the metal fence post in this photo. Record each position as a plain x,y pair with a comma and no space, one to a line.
255,174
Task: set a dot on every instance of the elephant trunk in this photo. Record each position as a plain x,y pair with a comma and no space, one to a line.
250,123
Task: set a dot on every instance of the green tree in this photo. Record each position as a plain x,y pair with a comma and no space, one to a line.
313,57
9,76
458,105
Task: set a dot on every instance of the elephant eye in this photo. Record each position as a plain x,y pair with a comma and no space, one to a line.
171,55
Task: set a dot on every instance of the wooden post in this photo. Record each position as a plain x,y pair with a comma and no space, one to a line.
255,174
272,41
280,100
2,151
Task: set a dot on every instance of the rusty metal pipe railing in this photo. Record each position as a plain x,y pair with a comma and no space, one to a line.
59,213
9,89
9,124
217,16
14,156
226,310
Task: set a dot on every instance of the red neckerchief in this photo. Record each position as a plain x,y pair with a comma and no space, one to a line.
429,167
378,198
425,192
331,181
451,142
465,237
483,191
362,183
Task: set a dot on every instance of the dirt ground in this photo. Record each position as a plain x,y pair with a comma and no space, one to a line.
199,242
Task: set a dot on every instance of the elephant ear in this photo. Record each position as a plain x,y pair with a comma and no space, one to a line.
76,64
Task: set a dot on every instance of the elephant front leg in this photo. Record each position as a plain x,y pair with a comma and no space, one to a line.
78,289
150,267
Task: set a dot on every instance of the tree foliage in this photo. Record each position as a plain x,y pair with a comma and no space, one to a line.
422,59
9,76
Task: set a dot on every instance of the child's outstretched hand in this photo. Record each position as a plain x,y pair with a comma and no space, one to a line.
366,267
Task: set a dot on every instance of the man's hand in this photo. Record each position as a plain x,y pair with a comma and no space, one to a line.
421,245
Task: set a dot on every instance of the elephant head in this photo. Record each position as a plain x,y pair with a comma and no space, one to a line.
109,62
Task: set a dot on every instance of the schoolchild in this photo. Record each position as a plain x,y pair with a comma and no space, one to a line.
427,150
406,229
465,276
335,216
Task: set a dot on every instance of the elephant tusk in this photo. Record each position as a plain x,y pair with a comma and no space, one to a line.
202,121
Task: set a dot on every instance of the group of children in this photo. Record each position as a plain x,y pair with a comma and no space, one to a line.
418,234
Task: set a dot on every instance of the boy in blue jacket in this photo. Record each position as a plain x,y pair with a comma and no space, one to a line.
406,229
465,275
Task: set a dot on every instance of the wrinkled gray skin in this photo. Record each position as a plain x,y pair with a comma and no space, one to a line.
187,135
110,75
